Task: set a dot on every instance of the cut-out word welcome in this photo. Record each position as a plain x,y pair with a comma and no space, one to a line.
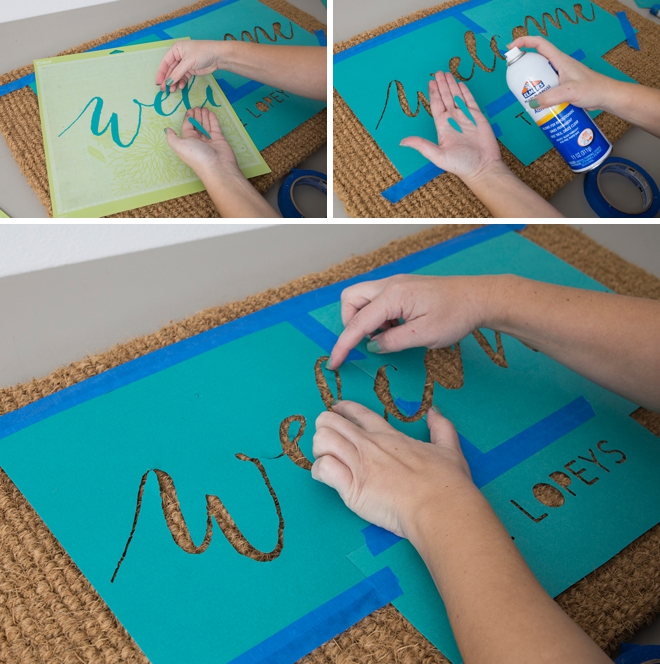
253,36
161,96
551,496
471,42
443,366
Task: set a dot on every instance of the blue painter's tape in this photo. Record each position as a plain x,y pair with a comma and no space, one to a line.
321,36
634,654
500,104
324,623
496,129
579,54
408,408
628,30
181,351
321,335
489,466
412,182
469,23
456,12
378,539
18,84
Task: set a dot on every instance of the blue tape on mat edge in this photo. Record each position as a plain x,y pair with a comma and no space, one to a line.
173,354
411,182
404,29
628,30
378,539
325,622
321,335
602,208
322,37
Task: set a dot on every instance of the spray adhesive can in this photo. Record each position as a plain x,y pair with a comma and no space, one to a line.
569,128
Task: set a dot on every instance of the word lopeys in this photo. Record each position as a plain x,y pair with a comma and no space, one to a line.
550,496
161,96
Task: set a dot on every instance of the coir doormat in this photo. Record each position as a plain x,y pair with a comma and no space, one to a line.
21,127
49,612
362,169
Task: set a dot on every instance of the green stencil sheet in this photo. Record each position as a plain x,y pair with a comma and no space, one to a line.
80,468
411,54
3,215
94,168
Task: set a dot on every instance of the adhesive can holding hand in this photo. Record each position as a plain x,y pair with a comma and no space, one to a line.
569,128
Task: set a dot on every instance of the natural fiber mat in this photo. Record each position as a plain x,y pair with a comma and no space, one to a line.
362,171
21,127
50,613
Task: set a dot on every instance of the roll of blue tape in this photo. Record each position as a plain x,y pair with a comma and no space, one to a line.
655,10
648,189
286,197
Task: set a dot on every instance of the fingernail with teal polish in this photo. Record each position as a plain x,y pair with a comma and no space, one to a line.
435,409
335,402
454,125
534,103
169,81
327,365
373,346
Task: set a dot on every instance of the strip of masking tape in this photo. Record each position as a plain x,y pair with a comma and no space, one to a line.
325,622
147,365
321,335
628,30
634,654
412,182
378,539
485,467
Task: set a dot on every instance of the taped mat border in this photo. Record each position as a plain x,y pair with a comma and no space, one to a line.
49,612
20,125
362,171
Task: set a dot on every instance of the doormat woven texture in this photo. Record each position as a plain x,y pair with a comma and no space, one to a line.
21,127
50,613
362,171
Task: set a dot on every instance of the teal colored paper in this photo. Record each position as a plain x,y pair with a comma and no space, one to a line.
278,112
81,470
363,80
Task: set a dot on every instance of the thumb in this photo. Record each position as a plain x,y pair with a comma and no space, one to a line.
173,139
554,96
428,149
441,429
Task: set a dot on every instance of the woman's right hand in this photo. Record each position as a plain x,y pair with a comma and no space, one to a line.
438,311
187,58
578,84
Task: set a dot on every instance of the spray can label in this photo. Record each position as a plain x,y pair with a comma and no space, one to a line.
568,128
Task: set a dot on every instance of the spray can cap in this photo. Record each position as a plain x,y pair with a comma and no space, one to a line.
514,54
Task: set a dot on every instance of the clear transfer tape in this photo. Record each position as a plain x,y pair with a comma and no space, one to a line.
286,200
597,198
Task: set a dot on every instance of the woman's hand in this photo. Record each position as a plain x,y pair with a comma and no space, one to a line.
186,59
383,475
438,311
204,155
465,153
578,84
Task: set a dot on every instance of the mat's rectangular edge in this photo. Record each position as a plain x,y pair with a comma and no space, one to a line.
327,621
173,354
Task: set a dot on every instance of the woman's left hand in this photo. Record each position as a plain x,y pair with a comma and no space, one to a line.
206,156
384,476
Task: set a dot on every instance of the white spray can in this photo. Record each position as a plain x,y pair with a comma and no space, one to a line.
569,128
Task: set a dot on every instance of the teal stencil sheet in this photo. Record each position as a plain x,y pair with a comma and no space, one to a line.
572,540
267,113
81,468
364,78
